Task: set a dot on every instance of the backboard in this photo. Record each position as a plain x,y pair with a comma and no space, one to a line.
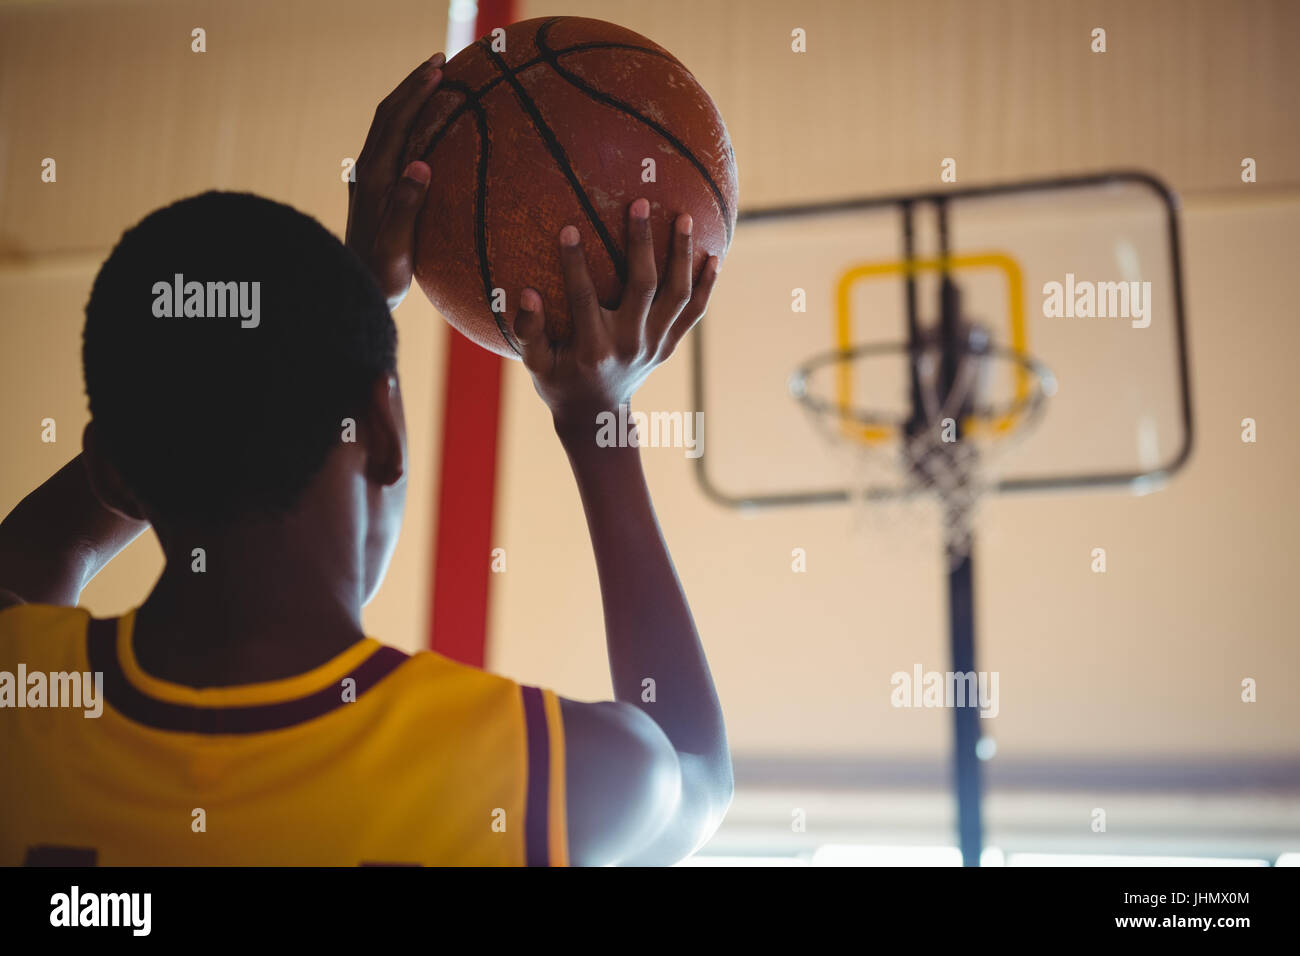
1080,274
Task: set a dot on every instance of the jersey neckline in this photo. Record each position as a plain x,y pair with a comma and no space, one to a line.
243,708
286,688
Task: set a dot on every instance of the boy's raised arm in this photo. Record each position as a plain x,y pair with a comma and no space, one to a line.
58,538
661,793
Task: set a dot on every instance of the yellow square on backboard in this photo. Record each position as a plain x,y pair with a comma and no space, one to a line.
843,330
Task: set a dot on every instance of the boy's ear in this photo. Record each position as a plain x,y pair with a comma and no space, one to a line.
385,439
105,481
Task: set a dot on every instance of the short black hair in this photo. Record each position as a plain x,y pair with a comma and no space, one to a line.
212,418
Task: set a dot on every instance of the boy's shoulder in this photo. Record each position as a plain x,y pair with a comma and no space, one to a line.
451,683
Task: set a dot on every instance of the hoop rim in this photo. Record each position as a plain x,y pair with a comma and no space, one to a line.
1030,405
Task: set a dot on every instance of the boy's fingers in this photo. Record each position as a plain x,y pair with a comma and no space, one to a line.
411,87
376,169
394,249
405,101
584,307
642,277
530,330
695,308
392,124
676,291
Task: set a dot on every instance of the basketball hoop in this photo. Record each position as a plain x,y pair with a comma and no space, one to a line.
945,274
945,446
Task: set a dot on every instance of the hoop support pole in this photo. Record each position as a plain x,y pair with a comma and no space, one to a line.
967,772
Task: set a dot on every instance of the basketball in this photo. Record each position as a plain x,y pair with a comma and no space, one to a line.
554,122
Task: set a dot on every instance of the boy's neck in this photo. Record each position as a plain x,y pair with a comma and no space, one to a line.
251,615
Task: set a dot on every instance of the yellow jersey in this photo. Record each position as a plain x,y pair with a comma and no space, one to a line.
376,757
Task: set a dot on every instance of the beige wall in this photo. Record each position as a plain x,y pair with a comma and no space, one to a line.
1145,660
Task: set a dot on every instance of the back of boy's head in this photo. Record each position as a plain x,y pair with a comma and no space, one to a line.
212,418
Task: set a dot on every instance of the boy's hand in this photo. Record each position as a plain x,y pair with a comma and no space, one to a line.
384,201
612,351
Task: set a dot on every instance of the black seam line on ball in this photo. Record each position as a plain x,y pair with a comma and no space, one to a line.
551,57
480,213
473,96
480,226
562,160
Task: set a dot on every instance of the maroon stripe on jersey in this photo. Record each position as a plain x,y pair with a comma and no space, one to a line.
537,817
131,702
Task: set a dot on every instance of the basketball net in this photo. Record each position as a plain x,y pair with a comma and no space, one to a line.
943,458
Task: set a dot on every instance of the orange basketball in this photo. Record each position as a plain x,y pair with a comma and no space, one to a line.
562,121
